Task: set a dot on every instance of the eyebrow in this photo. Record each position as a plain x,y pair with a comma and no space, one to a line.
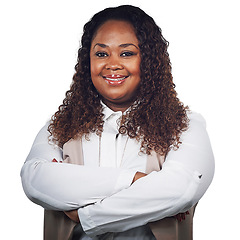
101,45
121,45
128,44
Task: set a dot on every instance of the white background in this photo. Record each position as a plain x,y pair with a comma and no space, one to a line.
38,49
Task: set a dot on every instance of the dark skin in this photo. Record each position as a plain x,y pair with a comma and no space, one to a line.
115,64
115,55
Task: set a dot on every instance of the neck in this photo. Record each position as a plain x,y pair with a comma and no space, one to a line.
117,106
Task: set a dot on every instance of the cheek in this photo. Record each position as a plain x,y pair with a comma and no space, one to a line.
93,68
136,68
96,66
95,71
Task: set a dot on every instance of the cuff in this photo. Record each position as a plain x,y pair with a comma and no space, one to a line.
88,225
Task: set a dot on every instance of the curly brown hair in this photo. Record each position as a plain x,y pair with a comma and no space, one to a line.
156,119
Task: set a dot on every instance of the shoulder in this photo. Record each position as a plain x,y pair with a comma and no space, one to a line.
195,117
196,120
196,133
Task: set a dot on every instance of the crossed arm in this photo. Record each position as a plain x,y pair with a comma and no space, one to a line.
106,205
73,215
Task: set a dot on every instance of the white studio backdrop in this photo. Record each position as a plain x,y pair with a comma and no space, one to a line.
38,51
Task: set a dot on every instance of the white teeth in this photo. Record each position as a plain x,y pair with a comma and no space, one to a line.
115,79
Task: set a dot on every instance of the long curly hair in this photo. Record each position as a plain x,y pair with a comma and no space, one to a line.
156,119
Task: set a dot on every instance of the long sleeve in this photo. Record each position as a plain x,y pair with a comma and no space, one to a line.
66,186
184,178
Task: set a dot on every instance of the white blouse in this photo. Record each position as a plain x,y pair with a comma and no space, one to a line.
101,189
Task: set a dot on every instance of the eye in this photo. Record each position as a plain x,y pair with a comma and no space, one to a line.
101,54
127,54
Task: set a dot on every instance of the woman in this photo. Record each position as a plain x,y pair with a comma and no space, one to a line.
146,157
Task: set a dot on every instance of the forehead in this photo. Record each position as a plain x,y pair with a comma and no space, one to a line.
115,31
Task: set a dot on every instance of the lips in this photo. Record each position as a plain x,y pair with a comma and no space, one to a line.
114,79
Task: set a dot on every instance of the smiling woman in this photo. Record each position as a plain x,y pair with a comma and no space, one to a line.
147,60
115,64
122,158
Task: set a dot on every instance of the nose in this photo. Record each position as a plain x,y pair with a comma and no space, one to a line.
114,63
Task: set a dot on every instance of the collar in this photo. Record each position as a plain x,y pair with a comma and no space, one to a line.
108,112
111,119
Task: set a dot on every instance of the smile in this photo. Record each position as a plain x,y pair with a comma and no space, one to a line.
114,79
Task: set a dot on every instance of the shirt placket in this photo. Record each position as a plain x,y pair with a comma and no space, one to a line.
110,149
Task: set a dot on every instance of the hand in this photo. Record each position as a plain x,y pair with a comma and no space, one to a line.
138,175
73,215
181,216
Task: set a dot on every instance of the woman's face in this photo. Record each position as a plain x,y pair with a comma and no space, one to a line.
115,64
